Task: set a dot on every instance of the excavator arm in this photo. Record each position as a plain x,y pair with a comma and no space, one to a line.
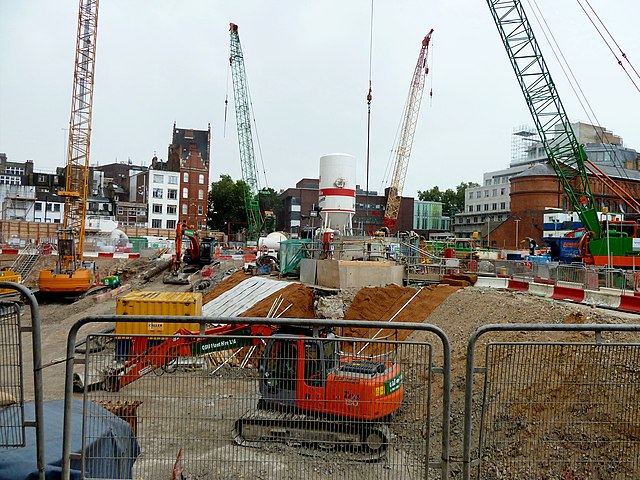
184,344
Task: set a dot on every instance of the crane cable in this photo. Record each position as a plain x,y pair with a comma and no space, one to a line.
369,98
624,55
572,80
226,103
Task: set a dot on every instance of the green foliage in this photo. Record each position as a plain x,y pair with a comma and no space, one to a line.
452,200
226,204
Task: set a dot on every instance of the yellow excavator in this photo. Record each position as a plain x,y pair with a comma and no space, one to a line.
72,275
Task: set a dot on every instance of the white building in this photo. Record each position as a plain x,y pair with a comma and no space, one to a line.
18,202
162,201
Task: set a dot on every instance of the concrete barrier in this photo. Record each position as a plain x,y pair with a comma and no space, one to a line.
492,282
518,285
541,289
600,298
566,293
629,303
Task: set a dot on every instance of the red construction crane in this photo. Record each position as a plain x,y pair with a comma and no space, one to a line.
408,129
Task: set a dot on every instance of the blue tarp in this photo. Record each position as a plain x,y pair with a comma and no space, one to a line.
110,453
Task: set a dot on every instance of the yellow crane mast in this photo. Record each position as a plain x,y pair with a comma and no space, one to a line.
72,274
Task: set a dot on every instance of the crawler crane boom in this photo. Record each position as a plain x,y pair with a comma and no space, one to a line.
407,131
72,275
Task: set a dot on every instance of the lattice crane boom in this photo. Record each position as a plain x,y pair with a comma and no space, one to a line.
71,274
77,173
245,138
407,132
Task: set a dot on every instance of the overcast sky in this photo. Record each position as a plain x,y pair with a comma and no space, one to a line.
307,63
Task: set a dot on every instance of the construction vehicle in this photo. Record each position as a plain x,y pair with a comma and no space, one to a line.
72,275
407,131
609,243
257,221
199,253
310,393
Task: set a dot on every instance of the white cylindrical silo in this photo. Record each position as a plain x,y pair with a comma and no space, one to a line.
337,191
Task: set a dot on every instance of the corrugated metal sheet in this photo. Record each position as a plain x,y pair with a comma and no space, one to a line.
242,297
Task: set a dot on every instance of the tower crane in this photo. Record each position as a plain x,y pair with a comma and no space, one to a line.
612,244
71,274
255,218
407,131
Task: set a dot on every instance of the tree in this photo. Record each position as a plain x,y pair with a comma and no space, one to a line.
452,200
226,204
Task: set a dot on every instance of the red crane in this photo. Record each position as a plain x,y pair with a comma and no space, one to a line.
407,131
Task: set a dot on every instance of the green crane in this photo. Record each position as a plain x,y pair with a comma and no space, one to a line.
255,218
565,154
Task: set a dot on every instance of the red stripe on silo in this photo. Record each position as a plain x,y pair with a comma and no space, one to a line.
338,192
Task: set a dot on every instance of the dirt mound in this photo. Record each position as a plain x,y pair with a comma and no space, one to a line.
399,304
296,298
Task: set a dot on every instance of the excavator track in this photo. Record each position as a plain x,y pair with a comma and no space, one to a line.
360,441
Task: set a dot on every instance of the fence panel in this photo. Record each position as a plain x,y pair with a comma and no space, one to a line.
284,406
555,409
12,421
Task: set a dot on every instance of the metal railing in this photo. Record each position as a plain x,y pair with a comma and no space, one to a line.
183,406
13,418
563,409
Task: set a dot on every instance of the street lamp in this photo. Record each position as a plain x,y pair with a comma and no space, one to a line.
517,222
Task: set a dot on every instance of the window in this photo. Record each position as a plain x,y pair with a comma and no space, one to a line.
185,192
158,178
470,195
156,223
171,210
200,194
120,211
478,194
486,207
185,177
477,208
171,224
41,178
487,182
486,193
503,191
471,208
172,194
9,180
200,209
156,208
184,208
14,170
157,193
494,206
503,205
201,179
173,180
494,192
38,207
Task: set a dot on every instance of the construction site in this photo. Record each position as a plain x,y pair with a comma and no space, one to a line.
179,353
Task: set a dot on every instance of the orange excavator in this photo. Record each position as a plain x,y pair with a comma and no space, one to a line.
311,394
198,254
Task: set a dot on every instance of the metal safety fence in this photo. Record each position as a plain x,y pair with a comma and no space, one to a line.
291,399
567,409
14,419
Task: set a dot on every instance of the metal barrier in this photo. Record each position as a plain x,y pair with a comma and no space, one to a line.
13,421
566,409
289,400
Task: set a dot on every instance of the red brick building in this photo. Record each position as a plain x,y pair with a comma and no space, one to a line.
537,189
189,154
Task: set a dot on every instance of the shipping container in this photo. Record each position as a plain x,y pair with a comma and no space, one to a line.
157,304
